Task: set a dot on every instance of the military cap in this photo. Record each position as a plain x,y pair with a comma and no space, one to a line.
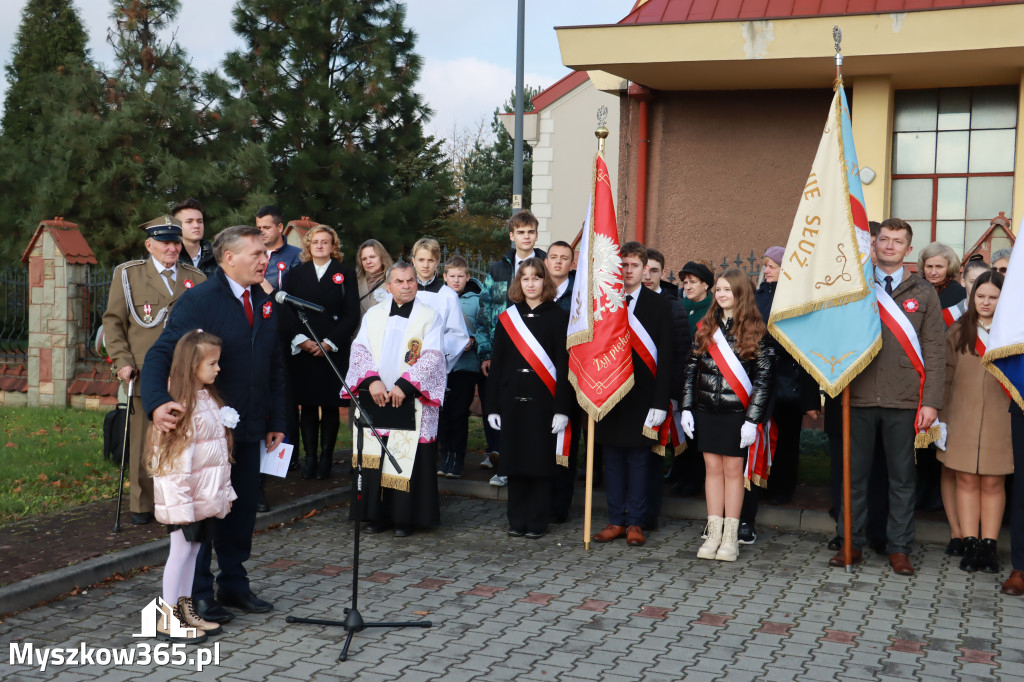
166,228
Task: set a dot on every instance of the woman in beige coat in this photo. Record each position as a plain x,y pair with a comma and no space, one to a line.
978,423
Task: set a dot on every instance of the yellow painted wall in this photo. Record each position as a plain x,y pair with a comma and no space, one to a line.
872,106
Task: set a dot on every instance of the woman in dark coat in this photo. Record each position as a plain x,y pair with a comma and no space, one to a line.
322,279
529,416
796,393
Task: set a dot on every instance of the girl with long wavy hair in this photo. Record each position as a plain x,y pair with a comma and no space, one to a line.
191,469
729,380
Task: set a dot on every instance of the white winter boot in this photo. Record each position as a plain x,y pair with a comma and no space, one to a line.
710,547
730,547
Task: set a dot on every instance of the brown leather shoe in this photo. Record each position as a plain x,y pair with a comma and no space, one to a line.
1014,585
635,536
901,564
610,533
839,560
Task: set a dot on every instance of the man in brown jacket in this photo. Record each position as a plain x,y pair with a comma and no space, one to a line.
141,296
884,398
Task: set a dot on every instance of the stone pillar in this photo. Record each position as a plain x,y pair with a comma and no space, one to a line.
57,256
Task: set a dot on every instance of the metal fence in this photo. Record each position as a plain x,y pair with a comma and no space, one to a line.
751,267
14,315
91,297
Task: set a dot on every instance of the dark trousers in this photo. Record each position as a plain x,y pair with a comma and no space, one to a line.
655,488
453,423
1017,501
786,458
492,437
878,489
895,427
232,535
626,484
319,424
751,501
529,503
563,484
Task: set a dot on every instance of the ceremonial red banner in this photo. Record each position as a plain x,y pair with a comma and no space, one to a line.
600,347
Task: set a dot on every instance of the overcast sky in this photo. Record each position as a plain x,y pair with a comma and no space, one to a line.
468,46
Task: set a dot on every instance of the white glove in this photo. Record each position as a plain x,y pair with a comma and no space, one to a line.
558,423
687,421
654,418
495,421
748,432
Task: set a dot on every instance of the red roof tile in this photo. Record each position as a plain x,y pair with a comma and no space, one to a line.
14,384
70,241
679,11
563,86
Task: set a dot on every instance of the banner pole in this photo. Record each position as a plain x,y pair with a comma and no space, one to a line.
847,512
588,500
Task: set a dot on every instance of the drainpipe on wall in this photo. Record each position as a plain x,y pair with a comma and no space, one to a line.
643,96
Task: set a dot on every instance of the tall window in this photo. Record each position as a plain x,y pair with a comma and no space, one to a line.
952,166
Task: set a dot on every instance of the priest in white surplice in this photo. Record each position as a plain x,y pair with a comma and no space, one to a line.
397,356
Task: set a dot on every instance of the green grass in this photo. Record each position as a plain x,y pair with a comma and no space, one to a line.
50,460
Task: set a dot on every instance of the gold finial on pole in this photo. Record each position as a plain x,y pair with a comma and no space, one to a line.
602,130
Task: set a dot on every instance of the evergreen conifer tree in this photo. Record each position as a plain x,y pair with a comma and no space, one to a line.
49,76
489,168
330,85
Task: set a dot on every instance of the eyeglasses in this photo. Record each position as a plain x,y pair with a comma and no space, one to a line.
1002,270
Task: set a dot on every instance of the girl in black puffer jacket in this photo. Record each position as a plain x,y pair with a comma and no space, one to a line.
723,423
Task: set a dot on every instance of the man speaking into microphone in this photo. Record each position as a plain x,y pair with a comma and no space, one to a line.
233,306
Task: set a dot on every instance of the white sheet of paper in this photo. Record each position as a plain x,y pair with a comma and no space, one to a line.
276,462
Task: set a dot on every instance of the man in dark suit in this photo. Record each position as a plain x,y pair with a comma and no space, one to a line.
682,343
233,306
627,433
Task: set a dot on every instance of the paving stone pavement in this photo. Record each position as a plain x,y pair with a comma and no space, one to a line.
512,608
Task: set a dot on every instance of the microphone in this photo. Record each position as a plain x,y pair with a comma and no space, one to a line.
282,297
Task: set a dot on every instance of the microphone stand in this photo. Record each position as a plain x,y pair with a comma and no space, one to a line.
354,622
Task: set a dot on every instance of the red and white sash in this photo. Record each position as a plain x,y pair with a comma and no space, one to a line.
642,343
954,312
539,360
897,322
759,455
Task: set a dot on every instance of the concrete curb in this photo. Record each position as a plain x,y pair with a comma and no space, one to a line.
768,516
42,588
47,586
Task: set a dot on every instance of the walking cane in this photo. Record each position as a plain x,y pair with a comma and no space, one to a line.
124,450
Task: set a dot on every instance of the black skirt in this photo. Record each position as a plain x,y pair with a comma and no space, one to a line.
719,433
197,531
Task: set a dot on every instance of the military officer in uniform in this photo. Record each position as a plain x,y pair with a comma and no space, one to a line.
141,295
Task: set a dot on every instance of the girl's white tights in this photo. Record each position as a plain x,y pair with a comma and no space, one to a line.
180,568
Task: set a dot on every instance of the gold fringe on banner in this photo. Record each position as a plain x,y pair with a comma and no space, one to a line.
599,413
999,354
562,460
833,390
394,482
369,461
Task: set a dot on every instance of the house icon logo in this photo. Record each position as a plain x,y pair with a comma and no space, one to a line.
159,611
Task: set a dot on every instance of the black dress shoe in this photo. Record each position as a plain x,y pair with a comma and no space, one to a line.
140,518
372,529
559,518
403,532
835,543
211,610
878,545
262,507
513,533
247,601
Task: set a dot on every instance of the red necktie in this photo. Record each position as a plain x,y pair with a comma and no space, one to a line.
247,304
